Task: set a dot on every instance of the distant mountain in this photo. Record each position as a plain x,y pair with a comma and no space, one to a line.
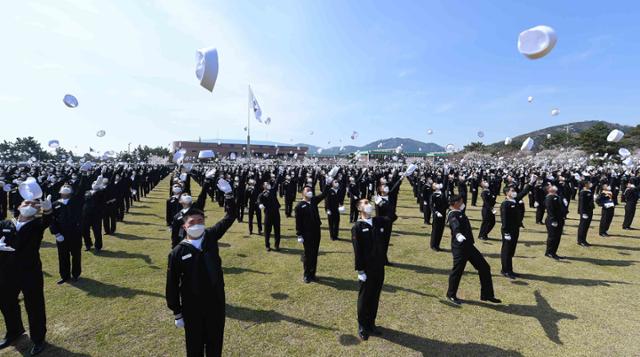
408,145
574,128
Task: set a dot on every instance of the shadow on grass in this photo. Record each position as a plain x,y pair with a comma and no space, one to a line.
421,269
124,255
542,311
238,270
352,285
24,344
126,236
620,247
105,290
429,347
570,281
603,262
266,316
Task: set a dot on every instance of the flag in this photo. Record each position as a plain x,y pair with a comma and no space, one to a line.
255,106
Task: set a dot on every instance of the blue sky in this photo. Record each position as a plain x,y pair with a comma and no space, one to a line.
381,68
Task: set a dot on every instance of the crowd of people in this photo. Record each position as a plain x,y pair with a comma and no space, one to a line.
78,200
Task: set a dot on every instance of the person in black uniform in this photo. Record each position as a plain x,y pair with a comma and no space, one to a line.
353,192
630,195
386,207
92,216
607,202
21,272
195,283
488,212
585,210
110,209
252,197
65,226
464,251
427,191
289,190
367,237
474,183
439,209
308,230
332,204
511,217
177,229
173,204
554,222
539,193
268,200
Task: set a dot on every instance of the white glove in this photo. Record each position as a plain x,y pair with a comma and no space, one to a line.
362,276
377,199
341,209
425,202
554,224
224,186
179,322
521,202
460,238
261,206
507,237
566,203
46,204
59,238
300,239
328,213
493,211
438,214
4,247
536,204
585,216
210,173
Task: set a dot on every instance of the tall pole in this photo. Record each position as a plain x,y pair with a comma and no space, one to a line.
248,124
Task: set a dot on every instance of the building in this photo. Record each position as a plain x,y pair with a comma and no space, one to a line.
233,149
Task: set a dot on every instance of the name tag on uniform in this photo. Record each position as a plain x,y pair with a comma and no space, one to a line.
365,229
6,231
303,206
185,257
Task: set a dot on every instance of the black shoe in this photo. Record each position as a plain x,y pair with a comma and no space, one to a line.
364,335
583,244
606,234
259,233
9,340
549,255
515,274
38,348
508,275
375,331
483,238
277,249
602,235
87,249
454,300
75,279
315,278
268,249
586,244
306,280
436,249
61,281
492,299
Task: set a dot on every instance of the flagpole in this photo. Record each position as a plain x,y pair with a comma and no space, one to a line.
248,123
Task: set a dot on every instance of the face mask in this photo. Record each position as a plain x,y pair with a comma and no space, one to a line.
385,189
177,190
336,185
462,207
267,187
513,194
196,230
309,194
439,186
367,208
28,211
186,199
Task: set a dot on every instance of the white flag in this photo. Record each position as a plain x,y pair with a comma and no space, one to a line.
255,106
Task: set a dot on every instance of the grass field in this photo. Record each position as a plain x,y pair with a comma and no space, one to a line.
584,305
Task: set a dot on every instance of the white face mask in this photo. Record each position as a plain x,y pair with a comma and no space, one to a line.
177,190
195,231
308,194
385,189
513,194
186,199
367,208
28,211
439,186
267,187
462,207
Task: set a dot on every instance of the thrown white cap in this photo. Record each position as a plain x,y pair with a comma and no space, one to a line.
537,42
207,67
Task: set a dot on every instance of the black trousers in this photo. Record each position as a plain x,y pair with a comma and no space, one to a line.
288,206
553,236
629,213
70,257
426,212
508,250
369,298
204,327
539,213
437,228
605,219
310,257
488,222
583,227
272,222
334,223
353,211
241,213
253,209
94,224
120,209
473,256
474,197
109,218
32,287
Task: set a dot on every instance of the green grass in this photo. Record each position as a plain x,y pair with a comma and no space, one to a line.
585,305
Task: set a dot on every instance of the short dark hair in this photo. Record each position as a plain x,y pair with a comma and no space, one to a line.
192,212
453,199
